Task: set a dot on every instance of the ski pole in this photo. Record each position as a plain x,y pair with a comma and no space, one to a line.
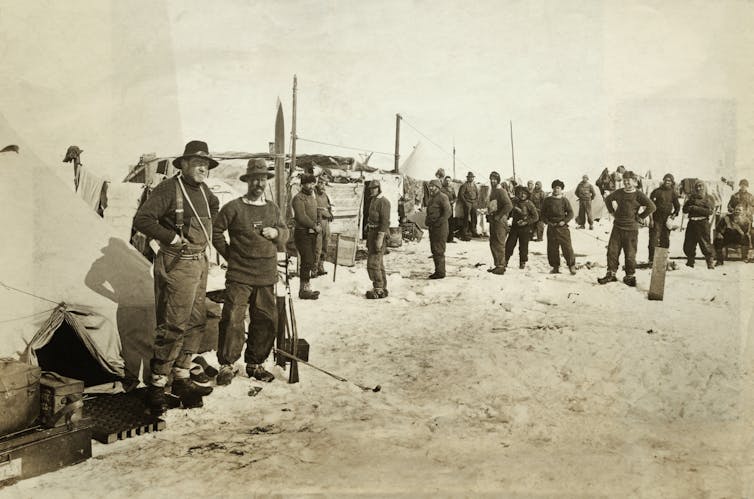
339,378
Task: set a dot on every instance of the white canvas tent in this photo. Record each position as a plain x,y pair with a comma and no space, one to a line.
424,161
64,268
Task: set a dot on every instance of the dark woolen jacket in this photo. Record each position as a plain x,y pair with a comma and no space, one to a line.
666,201
524,211
379,213
555,210
504,204
699,205
537,197
251,257
305,210
438,210
156,217
585,191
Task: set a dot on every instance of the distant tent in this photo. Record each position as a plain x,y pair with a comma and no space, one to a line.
70,284
423,162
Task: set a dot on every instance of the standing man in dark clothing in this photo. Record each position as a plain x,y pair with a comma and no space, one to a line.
257,232
556,213
438,211
699,207
497,216
625,233
537,197
585,194
468,195
378,226
447,189
307,229
524,215
733,228
324,212
668,207
179,214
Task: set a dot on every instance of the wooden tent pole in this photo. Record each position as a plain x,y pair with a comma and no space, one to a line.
397,140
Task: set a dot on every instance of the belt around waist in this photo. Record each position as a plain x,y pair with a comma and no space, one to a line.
696,219
184,256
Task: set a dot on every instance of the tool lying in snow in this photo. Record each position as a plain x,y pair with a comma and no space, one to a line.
339,378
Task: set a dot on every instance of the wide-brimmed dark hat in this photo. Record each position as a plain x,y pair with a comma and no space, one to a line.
195,149
256,166
470,175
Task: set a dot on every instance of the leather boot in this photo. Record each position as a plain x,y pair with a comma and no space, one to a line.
156,401
306,293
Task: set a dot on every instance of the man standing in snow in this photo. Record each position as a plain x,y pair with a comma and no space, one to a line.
307,229
625,233
666,201
324,212
699,206
468,195
257,232
178,215
378,226
537,198
524,215
556,213
438,211
585,194
497,215
447,189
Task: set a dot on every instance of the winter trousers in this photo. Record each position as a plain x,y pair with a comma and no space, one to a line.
262,306
732,237
375,264
659,234
559,240
538,228
437,240
626,240
697,232
181,315
521,235
451,225
323,238
306,245
469,221
585,212
498,236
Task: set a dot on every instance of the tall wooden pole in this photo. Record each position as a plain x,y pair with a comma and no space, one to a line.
397,140
293,128
454,160
513,157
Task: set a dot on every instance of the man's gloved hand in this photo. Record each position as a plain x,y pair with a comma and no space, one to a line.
522,222
561,223
270,233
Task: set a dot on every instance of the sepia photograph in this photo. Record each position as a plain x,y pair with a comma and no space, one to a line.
403,248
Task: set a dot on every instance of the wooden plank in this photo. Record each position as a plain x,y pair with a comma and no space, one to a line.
657,281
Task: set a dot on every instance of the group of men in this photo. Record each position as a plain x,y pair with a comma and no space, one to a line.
529,208
184,217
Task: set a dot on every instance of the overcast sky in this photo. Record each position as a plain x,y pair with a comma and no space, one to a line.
661,86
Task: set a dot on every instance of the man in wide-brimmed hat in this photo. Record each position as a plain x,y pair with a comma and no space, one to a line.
178,214
307,229
257,233
468,195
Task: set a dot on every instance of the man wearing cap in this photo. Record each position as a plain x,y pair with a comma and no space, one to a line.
743,198
307,229
178,214
324,212
438,211
733,228
699,206
378,226
585,194
668,207
523,215
257,232
447,189
625,234
556,213
498,209
468,195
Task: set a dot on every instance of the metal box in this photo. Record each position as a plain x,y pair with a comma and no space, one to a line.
60,399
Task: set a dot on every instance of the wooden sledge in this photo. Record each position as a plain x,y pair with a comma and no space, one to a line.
657,281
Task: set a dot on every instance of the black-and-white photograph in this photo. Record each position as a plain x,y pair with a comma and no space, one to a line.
404,248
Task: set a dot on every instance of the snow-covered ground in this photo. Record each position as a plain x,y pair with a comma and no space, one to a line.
527,384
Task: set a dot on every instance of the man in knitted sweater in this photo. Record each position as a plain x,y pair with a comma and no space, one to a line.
257,232
497,216
537,198
378,226
625,234
438,211
556,213
325,214
523,215
668,207
305,234
699,206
